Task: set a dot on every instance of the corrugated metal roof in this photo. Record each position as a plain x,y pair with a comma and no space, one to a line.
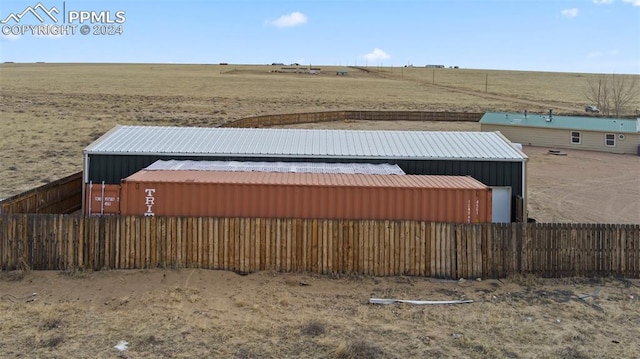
290,167
306,179
242,142
600,124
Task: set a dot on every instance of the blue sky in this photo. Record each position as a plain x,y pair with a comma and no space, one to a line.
599,36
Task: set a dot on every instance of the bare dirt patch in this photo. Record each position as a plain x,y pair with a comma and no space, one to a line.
583,186
203,313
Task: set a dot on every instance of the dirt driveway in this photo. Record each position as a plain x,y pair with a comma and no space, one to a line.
583,186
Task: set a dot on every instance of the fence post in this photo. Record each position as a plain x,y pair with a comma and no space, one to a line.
525,247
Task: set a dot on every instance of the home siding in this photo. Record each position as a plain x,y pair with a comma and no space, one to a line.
561,138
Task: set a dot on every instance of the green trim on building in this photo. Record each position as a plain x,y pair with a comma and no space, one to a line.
578,123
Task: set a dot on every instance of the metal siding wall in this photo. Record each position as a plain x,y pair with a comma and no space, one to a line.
112,168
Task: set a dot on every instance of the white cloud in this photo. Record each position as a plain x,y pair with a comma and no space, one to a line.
376,55
294,19
570,13
603,2
633,2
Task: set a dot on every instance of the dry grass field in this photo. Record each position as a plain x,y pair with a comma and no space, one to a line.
212,314
50,112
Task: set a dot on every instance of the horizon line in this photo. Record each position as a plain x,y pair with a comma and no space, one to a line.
458,68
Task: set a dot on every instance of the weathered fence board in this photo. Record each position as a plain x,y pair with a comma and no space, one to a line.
61,196
293,118
381,248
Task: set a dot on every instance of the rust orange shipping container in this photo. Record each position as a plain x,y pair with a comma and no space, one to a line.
455,199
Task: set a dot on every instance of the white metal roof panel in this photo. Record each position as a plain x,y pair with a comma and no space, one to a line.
283,167
242,142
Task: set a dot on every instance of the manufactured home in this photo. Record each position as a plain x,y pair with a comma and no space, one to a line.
614,135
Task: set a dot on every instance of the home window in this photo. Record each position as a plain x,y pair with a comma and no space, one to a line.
610,140
575,137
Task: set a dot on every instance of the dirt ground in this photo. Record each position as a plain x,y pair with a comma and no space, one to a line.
191,313
583,186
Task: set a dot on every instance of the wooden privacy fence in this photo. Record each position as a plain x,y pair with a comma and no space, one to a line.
380,248
293,118
61,196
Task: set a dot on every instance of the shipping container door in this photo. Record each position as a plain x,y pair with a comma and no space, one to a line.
102,199
501,204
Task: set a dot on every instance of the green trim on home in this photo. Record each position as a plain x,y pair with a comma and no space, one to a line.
578,123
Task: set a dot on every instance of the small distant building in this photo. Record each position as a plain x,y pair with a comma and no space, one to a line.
615,135
435,66
342,72
299,70
293,70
